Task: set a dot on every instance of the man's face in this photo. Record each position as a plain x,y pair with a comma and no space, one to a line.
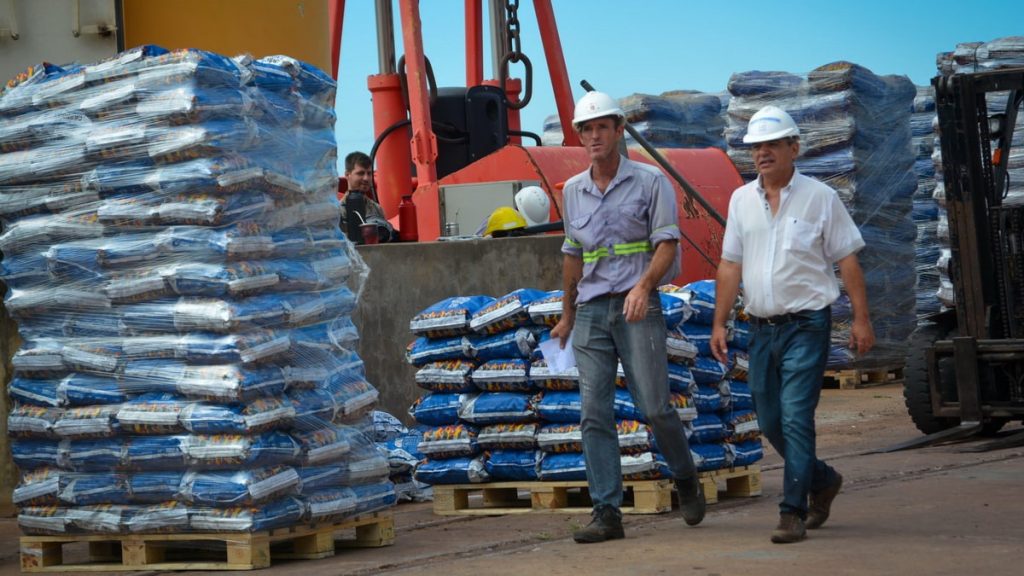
775,157
600,137
359,178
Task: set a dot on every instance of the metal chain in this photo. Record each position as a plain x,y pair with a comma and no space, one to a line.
514,45
514,54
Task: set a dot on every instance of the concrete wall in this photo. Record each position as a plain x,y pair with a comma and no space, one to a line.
406,278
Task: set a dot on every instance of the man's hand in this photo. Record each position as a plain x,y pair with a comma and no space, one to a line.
562,330
635,306
718,346
862,336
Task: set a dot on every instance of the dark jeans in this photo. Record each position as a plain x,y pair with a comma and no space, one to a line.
787,364
601,336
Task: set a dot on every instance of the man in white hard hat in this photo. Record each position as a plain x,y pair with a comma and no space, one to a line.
621,242
783,234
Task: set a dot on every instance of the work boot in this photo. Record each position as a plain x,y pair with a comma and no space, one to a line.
605,524
821,503
790,529
691,500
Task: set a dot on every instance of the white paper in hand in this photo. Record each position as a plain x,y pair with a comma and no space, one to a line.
558,359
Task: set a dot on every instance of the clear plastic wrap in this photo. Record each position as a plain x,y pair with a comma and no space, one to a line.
675,119
856,137
173,259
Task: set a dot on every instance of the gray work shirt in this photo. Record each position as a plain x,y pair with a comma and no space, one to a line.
615,233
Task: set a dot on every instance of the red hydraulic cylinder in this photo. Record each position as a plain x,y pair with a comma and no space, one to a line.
556,67
394,161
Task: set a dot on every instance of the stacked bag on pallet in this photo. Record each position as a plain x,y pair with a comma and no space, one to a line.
855,136
401,447
515,418
998,54
675,119
182,289
724,432
473,355
926,211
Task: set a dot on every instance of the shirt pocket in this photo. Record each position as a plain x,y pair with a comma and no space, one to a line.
581,222
631,220
799,235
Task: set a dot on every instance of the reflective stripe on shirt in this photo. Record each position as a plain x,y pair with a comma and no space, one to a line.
616,231
618,250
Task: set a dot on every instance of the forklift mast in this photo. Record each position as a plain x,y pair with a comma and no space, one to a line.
987,242
975,152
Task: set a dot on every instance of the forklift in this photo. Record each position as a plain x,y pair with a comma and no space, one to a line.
965,371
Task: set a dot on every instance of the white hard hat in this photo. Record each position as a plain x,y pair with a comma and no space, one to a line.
533,203
595,105
770,123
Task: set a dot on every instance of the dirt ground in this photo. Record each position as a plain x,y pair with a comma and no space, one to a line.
937,510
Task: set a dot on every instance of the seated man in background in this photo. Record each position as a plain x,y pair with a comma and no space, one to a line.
359,174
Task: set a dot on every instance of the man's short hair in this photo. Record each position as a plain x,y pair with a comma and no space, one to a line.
357,159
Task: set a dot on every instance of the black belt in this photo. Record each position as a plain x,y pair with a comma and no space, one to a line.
757,321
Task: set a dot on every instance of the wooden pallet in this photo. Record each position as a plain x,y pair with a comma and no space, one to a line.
566,497
207,551
853,378
572,497
740,482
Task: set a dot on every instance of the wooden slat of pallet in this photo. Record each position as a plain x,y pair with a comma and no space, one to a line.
853,378
117,552
741,482
648,496
565,497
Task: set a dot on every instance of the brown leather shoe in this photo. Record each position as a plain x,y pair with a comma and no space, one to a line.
790,529
821,503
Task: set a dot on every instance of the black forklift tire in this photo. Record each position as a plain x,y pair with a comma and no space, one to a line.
916,394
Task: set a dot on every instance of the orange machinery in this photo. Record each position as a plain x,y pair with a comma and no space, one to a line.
411,115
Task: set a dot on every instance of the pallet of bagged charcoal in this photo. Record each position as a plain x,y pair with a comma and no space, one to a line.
500,428
183,295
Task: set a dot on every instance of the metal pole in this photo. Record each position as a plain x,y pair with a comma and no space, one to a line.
385,37
474,43
556,68
336,15
424,142
499,43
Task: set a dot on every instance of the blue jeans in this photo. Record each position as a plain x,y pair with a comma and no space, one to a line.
787,365
601,336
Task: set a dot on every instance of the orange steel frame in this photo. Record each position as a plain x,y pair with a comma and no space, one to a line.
395,156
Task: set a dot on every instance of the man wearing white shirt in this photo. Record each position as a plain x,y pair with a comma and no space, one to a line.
783,234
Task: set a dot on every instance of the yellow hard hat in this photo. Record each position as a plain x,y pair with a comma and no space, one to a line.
504,219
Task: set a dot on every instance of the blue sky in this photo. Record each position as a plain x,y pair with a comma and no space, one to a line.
652,46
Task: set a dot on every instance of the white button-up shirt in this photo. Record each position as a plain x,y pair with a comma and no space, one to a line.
787,258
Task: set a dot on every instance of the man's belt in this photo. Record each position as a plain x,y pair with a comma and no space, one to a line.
786,318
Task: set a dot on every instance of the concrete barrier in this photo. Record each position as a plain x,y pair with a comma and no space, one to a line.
406,278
